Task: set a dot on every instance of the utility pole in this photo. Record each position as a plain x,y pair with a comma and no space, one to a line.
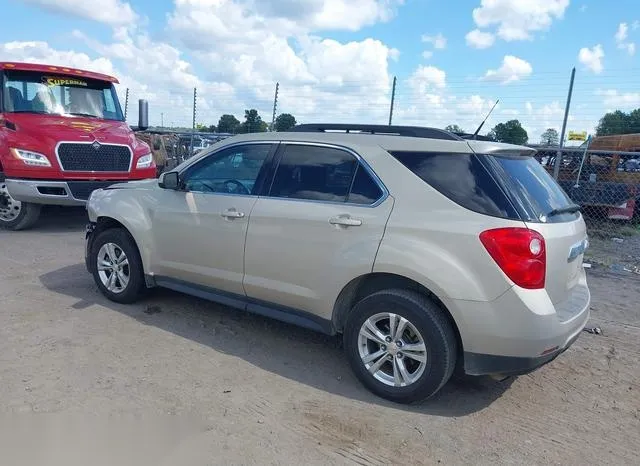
556,167
162,120
275,106
393,100
193,123
126,104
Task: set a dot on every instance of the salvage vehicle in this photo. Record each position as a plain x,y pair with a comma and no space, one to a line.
427,252
604,176
62,135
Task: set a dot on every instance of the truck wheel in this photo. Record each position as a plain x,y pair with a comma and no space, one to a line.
16,215
116,266
400,345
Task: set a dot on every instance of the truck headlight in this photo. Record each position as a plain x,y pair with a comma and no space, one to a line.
145,161
31,158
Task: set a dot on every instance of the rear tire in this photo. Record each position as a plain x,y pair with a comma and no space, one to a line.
116,266
409,364
16,215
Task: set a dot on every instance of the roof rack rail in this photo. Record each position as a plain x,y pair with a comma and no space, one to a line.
409,131
476,136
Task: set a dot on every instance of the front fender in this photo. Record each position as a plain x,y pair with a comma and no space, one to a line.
125,207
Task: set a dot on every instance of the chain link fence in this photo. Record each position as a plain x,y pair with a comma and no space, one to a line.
606,185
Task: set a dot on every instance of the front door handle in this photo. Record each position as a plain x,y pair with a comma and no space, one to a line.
232,213
345,221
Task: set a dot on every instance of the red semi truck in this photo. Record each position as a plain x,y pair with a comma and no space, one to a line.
62,135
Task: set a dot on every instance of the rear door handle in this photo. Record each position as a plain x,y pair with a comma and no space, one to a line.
232,213
345,221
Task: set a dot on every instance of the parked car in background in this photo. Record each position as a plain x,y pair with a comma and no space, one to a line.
427,252
62,135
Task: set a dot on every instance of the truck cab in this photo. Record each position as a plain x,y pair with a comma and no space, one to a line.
62,135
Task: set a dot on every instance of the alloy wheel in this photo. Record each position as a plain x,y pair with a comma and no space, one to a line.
113,268
392,349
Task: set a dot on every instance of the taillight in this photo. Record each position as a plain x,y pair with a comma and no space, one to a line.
520,253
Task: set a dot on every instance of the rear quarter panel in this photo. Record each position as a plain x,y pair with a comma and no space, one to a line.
434,241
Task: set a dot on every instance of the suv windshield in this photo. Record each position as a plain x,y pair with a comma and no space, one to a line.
36,92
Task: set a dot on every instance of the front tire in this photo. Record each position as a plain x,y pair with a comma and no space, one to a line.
400,345
16,215
116,266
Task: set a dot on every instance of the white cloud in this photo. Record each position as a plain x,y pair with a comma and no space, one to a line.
518,19
622,33
427,54
224,18
479,39
111,12
438,41
592,58
529,107
621,39
630,47
613,98
427,78
635,25
40,52
512,69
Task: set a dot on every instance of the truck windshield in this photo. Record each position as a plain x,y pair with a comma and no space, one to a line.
44,93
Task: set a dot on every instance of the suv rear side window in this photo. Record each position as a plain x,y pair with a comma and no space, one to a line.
323,174
463,178
531,187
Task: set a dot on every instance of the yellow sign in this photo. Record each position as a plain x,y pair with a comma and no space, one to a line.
575,136
60,81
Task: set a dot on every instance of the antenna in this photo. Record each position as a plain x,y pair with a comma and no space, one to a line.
475,135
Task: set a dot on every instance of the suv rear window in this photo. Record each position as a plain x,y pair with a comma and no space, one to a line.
510,187
531,187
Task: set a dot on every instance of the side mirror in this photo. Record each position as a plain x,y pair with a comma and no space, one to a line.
143,115
169,180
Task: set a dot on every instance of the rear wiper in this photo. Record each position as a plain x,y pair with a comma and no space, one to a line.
570,209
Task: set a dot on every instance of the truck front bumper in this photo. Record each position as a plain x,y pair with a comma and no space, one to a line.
65,193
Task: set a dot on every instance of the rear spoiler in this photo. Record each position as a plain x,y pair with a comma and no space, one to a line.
497,148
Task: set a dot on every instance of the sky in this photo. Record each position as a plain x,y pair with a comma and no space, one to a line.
335,60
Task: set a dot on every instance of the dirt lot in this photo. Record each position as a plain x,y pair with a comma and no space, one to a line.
183,381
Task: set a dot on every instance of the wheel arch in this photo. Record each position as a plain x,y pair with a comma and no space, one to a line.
365,285
105,222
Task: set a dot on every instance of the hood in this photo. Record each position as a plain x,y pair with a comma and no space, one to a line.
138,184
47,130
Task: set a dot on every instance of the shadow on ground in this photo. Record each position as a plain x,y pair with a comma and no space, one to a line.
54,219
297,354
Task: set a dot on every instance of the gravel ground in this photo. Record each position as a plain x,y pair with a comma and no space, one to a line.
177,380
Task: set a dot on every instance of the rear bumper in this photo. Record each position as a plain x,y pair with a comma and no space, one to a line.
490,364
64,193
520,331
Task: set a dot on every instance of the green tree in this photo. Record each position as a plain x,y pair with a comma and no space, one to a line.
550,137
454,129
619,122
228,124
205,129
253,122
511,132
285,122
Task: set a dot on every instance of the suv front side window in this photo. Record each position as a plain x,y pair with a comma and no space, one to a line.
323,174
233,170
